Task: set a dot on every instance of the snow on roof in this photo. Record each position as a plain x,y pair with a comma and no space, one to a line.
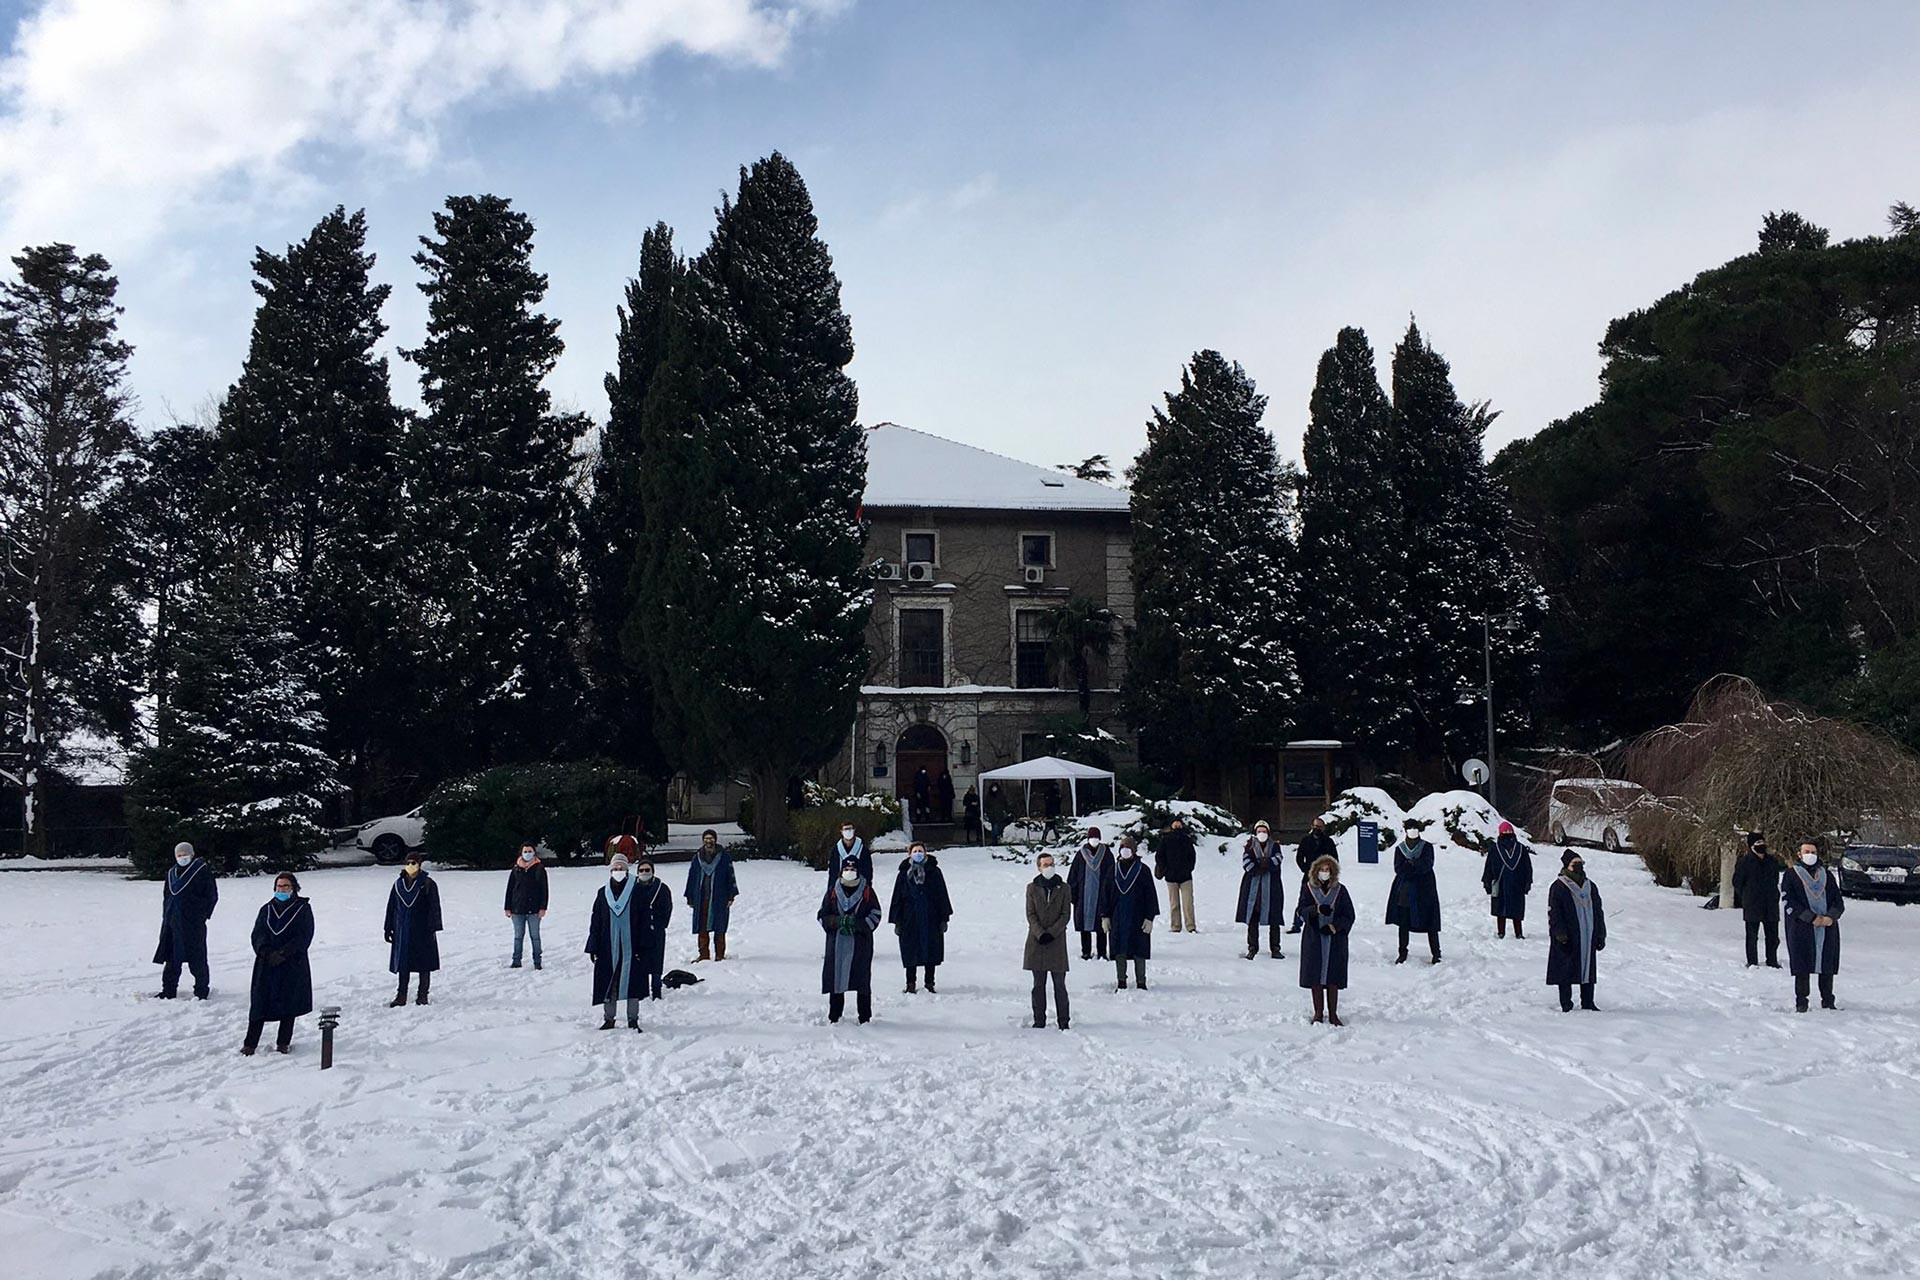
908,468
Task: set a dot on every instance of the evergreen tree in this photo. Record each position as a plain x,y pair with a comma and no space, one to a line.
173,518
1210,670
1459,568
615,520
69,616
237,766
752,614
492,497
1078,632
1354,603
309,471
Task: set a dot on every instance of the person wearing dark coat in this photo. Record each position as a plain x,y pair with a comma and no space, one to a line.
653,908
970,809
1049,912
922,796
1507,877
1316,844
1756,890
187,901
1810,901
849,849
614,940
1329,916
1263,891
997,811
919,913
1173,862
1087,881
282,987
849,915
413,920
944,788
1576,932
1127,914
711,889
1414,901
526,902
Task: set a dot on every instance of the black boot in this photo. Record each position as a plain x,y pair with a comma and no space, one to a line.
930,987
911,988
1518,932
426,980
399,996
607,1023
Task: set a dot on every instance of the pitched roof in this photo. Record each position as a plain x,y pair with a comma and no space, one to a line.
908,468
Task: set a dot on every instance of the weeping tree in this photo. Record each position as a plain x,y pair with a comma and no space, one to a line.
1743,762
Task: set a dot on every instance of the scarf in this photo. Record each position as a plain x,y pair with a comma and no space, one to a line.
1815,886
844,941
1329,898
278,919
1582,895
617,902
916,871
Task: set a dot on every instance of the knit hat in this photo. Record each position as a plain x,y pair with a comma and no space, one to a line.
1506,828
1094,832
619,862
1262,825
1756,838
183,847
1569,857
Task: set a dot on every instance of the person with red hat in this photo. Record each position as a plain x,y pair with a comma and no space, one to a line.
1508,878
1089,883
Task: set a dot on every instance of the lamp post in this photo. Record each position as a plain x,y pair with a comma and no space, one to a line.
1487,625
329,1019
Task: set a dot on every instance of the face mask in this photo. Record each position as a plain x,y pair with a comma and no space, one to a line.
1261,836
919,856
1048,873
526,855
1578,871
846,835
1126,853
849,878
282,894
183,858
644,876
413,868
618,876
1092,843
1809,858
1325,876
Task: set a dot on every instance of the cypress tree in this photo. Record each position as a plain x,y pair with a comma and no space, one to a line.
1353,591
1211,671
69,616
492,496
754,597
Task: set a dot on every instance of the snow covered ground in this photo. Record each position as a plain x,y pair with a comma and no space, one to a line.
1460,1125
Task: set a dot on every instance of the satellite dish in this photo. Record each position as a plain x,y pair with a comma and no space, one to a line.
1475,772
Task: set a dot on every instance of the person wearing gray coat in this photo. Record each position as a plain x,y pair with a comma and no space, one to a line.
1049,916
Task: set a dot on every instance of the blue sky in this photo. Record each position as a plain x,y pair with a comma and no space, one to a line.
1038,210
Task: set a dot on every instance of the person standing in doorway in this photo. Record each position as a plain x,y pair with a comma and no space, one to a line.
526,902
1087,880
1315,845
711,890
849,916
1756,891
1811,903
1414,901
944,790
922,796
1507,878
919,913
282,987
1263,890
1127,915
412,929
1577,932
1173,862
187,901
1329,917
1049,912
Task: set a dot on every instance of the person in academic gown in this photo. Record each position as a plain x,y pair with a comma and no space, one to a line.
614,941
653,910
849,914
1576,932
1088,880
412,928
850,847
919,913
1328,924
187,900
1313,846
1811,903
1127,914
282,987
711,890
1263,890
1414,901
1756,891
1507,877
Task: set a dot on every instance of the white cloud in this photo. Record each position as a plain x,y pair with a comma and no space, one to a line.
117,116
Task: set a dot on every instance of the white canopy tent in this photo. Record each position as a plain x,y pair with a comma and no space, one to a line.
1052,769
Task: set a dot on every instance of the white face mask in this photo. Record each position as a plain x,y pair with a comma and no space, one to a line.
1126,853
1809,858
846,835
1092,843
1049,873
1325,876
619,875
644,877
183,858
849,878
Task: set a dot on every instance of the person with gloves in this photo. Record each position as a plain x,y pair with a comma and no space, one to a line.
1328,918
1049,913
412,926
849,915
187,900
1811,903
1507,878
282,987
919,913
1127,914
1263,890
1576,932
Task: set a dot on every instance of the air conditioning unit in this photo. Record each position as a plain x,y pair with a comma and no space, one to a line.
1035,575
887,571
920,571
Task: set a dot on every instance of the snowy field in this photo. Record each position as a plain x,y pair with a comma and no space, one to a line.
1459,1126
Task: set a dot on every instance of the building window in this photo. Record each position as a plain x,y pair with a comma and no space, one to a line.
921,548
1030,650
1036,550
1264,784
1306,778
922,653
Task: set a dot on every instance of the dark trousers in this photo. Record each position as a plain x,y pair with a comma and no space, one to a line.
1773,939
1433,942
654,984
930,969
255,1025
1088,939
1566,995
170,977
426,985
1273,939
1139,971
837,1005
1040,997
1801,982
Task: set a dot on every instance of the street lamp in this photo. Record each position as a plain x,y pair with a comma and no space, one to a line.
1487,625
329,1019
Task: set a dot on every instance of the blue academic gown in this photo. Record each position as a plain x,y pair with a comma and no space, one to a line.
1130,900
919,913
862,909
1089,880
839,855
282,979
1414,901
1323,956
187,901
1273,910
709,891
413,925
1566,965
1799,925
1510,885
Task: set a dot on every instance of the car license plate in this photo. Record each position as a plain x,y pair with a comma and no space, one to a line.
1886,873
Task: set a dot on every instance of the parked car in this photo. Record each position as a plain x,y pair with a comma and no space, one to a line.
1888,872
1595,811
391,839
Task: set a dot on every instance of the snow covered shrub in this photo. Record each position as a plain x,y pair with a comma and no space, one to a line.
1463,817
1361,804
481,820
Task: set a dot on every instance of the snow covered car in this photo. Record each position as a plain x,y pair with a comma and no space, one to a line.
390,839
1889,872
1595,811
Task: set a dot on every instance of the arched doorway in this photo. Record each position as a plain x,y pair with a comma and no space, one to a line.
923,747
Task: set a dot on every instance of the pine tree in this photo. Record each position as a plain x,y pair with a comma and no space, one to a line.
492,495
615,520
237,766
1459,566
69,617
309,469
1354,603
1210,671
752,614
174,520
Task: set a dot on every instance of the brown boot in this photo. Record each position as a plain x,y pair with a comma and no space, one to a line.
704,955
719,946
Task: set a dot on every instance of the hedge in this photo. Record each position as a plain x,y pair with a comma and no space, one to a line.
573,809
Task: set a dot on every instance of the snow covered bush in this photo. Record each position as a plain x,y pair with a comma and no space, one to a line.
1362,804
818,825
1464,817
1142,819
481,820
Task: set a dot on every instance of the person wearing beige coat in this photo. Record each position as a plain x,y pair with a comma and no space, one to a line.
1049,916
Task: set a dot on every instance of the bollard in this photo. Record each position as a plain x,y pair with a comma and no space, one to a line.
329,1019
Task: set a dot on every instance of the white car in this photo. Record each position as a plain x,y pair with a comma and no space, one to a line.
1594,811
391,839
